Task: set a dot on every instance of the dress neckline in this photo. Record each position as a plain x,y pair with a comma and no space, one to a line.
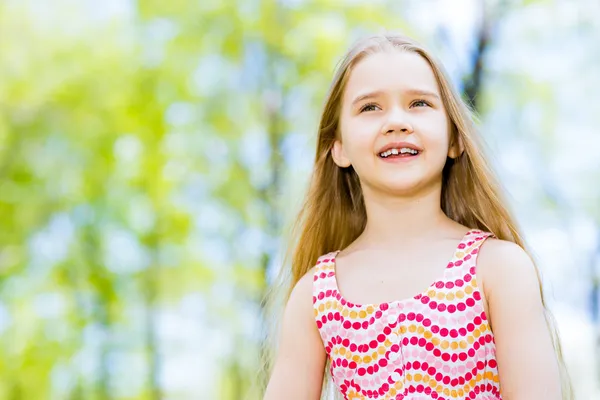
389,304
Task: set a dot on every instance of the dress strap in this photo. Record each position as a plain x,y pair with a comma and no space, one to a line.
465,256
324,278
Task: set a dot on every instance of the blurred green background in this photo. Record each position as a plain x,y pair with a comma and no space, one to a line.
153,153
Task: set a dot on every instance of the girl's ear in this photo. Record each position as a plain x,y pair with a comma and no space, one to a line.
456,146
339,156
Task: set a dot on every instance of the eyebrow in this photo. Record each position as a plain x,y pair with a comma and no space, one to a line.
417,92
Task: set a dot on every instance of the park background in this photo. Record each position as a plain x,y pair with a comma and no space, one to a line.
153,154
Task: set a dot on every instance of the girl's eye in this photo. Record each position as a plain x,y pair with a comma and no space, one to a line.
420,103
368,107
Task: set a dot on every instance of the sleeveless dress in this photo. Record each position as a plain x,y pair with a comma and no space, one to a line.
435,345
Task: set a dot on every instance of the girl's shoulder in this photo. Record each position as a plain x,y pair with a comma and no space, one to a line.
505,266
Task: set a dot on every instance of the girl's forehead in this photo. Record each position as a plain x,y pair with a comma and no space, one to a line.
395,71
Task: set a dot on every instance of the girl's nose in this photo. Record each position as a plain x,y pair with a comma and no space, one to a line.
397,122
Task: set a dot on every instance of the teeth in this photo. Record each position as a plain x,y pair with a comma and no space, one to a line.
403,150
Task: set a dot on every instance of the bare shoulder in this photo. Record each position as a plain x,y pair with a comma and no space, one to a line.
517,319
300,362
301,296
506,268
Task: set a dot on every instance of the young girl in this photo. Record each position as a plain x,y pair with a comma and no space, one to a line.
410,279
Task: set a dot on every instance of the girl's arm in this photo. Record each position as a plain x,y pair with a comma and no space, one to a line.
527,362
300,362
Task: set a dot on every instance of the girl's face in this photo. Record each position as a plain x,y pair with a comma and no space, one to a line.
394,127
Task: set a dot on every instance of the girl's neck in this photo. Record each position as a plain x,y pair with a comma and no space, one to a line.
398,221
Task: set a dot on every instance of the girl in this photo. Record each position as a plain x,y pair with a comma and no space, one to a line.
410,279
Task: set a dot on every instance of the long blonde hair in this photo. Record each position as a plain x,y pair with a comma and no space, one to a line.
333,214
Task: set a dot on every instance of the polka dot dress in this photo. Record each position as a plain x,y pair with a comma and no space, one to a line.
435,345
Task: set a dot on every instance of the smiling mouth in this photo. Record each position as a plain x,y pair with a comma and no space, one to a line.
404,152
